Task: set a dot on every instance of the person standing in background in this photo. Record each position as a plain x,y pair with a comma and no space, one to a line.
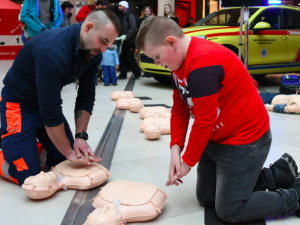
128,33
190,22
39,15
170,14
85,10
101,4
109,64
66,8
147,11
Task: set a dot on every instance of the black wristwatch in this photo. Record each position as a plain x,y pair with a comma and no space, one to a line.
82,135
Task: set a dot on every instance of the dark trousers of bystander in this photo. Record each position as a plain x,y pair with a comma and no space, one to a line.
127,60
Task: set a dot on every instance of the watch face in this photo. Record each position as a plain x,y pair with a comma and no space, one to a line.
82,135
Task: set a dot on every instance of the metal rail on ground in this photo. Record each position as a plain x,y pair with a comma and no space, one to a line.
80,206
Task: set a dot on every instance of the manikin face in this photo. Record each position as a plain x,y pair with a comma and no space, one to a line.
42,179
147,12
96,40
167,9
107,215
167,55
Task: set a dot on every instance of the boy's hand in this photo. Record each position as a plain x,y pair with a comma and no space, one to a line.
175,170
117,67
178,168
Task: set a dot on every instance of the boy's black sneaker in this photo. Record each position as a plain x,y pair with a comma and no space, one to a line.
284,171
296,186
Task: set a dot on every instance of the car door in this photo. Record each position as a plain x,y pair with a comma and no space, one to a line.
268,46
291,22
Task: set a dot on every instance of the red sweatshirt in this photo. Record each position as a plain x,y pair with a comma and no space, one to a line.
83,12
214,85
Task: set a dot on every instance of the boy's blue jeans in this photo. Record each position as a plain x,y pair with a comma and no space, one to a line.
109,72
227,175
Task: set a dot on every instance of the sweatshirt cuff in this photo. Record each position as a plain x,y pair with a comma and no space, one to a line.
188,162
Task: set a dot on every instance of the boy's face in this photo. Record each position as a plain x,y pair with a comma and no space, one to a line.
167,55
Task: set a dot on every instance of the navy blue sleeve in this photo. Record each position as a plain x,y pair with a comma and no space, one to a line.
87,85
50,68
205,81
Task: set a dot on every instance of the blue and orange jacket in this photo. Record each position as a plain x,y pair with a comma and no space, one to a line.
30,16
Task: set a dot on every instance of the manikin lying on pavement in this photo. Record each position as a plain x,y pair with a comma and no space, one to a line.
285,104
136,201
63,176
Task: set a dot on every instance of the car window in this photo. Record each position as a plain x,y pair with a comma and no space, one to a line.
226,17
291,19
271,16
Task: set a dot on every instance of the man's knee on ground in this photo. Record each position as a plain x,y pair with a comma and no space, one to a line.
21,177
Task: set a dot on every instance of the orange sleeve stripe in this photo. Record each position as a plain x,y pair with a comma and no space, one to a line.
20,164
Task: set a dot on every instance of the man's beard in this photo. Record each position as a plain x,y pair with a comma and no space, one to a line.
85,55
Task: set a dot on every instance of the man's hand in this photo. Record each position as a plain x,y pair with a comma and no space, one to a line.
83,153
178,168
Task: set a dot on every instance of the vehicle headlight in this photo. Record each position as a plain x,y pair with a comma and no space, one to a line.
201,36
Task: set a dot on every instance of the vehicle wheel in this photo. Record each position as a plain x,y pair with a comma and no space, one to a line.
259,77
100,74
162,79
234,50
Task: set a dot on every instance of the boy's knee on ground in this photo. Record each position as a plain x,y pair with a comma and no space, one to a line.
204,200
227,214
224,212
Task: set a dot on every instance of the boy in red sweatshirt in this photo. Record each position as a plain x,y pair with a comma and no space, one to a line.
230,137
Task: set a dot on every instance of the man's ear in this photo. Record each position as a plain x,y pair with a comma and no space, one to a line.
170,41
88,26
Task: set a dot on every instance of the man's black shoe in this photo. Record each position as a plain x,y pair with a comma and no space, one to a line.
284,171
120,78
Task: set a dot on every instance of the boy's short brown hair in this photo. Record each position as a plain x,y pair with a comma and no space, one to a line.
155,29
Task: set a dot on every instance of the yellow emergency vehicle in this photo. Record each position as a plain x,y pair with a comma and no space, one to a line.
273,39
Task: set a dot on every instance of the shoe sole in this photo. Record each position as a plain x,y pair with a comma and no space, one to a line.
291,162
